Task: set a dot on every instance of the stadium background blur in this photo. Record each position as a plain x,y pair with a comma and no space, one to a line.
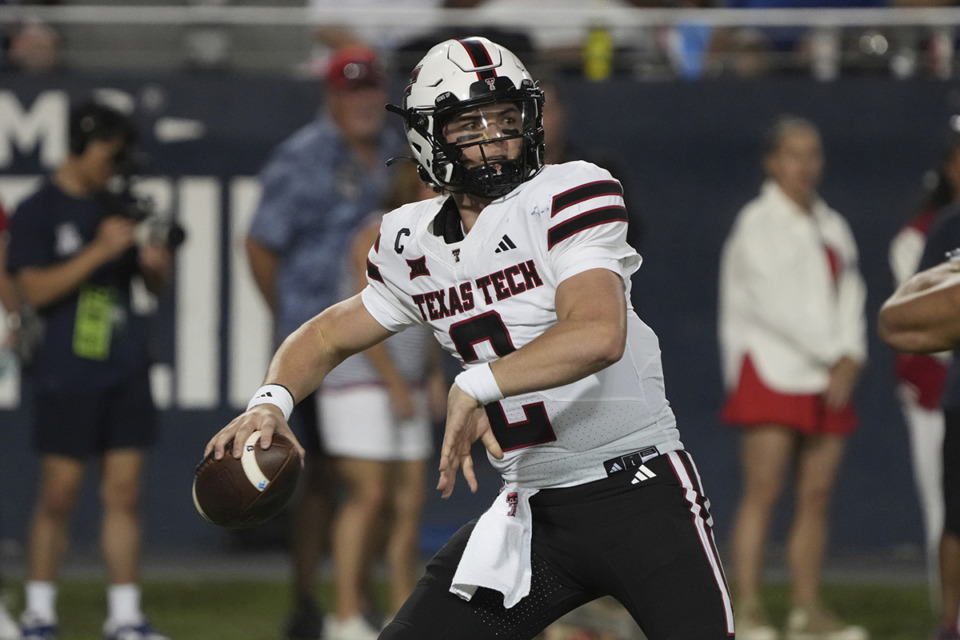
215,85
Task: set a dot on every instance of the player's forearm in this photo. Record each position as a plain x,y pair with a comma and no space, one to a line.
590,335
567,352
320,344
301,362
923,321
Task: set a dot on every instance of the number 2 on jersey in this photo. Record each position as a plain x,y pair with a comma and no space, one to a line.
536,427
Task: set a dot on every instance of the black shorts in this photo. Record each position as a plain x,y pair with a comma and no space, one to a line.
951,471
79,423
648,544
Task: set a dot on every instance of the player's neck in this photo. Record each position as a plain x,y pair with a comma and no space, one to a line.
470,207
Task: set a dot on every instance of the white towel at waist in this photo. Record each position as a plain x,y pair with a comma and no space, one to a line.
497,555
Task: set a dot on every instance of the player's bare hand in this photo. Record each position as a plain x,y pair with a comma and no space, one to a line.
466,423
265,418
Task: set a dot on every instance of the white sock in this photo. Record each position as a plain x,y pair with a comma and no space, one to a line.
42,599
123,603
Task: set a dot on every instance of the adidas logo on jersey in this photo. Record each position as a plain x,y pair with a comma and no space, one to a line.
505,244
643,473
630,460
612,466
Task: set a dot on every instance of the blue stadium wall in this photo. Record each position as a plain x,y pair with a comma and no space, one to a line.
690,156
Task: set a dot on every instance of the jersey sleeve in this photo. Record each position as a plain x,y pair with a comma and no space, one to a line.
385,308
382,296
587,226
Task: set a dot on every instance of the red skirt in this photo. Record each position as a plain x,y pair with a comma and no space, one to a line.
752,404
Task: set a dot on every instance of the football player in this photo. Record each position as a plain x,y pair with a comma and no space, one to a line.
921,315
522,271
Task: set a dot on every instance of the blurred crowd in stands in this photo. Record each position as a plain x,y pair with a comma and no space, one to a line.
689,47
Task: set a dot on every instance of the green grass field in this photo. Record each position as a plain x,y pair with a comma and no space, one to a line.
255,609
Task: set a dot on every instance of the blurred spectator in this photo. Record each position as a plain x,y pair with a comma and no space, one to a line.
825,51
376,413
318,189
384,39
9,299
411,50
8,29
563,48
743,52
34,48
791,48
9,630
75,256
21,329
921,377
207,49
793,341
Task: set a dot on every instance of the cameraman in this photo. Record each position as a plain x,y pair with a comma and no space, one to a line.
73,254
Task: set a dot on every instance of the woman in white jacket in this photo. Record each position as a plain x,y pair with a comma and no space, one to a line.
793,341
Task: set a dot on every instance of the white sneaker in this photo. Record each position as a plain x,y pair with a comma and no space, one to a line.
354,628
142,630
9,629
818,623
752,623
33,627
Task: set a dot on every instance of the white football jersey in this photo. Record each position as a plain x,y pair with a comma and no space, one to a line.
492,291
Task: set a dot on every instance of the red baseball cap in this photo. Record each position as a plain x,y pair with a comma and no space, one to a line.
354,67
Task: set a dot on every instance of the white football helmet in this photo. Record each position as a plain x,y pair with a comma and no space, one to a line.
462,75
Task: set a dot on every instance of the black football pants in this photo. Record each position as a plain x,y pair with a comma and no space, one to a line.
645,539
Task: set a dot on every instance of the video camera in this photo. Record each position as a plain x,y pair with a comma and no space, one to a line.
151,227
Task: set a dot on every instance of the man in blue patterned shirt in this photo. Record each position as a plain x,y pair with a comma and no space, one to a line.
318,188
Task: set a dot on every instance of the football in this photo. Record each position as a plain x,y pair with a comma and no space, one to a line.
245,492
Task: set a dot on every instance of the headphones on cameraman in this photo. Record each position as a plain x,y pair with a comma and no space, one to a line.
96,121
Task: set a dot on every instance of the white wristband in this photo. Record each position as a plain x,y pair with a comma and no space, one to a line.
275,394
478,383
